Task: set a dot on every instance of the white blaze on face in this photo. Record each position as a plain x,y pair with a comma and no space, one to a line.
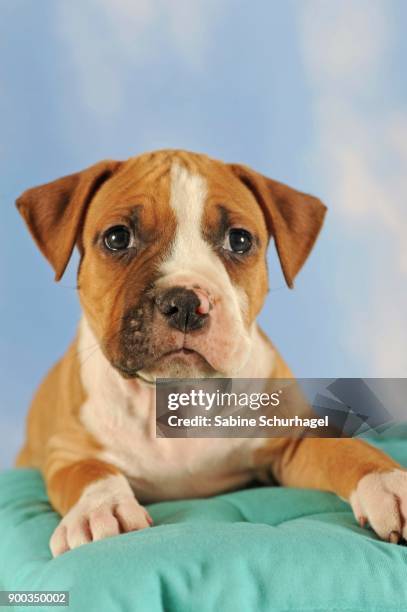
191,255
187,199
192,262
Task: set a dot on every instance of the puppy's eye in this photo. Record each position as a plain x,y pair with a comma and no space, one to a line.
117,238
238,241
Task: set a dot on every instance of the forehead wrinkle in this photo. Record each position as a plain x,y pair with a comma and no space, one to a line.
149,188
143,174
155,174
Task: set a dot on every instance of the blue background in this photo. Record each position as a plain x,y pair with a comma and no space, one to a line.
310,93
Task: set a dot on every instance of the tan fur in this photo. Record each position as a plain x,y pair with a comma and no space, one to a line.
91,421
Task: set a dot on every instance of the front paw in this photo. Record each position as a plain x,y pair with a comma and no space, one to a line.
106,508
381,500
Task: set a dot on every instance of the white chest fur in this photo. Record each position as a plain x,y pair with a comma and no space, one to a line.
121,416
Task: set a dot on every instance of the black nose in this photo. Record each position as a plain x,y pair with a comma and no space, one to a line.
179,306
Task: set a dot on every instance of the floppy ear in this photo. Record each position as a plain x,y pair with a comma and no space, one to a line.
54,212
293,218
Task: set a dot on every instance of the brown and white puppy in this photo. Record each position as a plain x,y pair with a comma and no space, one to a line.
172,276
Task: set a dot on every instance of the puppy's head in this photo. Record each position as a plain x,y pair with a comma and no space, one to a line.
172,249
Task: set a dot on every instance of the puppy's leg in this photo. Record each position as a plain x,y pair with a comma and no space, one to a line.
373,483
95,500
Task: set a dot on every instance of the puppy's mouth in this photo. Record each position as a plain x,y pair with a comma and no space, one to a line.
168,362
181,352
182,356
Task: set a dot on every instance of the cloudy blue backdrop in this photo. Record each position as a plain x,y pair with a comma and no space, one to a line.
312,93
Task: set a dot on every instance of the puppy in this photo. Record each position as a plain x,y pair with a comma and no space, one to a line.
172,276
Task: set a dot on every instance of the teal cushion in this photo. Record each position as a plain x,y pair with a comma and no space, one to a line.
258,549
